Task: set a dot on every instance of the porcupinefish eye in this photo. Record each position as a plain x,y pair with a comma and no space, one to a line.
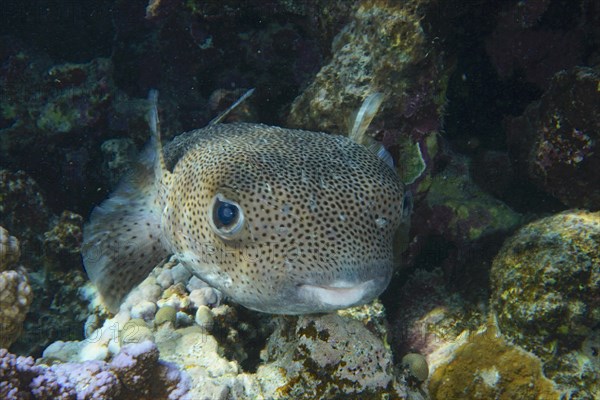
226,217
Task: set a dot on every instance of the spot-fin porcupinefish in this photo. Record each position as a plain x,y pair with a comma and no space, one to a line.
280,220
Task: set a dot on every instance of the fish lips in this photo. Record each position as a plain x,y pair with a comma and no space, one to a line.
311,297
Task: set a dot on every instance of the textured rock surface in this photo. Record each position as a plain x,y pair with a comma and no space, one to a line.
556,140
15,292
546,282
63,241
328,356
546,294
377,51
10,251
487,367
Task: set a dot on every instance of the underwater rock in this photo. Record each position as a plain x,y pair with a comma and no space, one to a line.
54,117
555,141
15,292
57,311
232,352
62,243
10,251
546,294
23,210
526,42
546,282
384,48
328,356
429,317
486,366
458,226
77,96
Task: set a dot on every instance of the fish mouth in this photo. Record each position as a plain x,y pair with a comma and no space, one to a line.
338,294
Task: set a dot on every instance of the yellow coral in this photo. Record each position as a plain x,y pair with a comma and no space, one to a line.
487,367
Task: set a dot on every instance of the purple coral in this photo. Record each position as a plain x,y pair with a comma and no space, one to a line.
15,375
134,372
134,364
90,380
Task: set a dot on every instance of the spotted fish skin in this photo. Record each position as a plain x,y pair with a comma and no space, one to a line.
317,216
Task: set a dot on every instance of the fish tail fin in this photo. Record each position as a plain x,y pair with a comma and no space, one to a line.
123,240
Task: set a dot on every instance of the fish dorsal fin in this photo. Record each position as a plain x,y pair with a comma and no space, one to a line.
232,107
363,118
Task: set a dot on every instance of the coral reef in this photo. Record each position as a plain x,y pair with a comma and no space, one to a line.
545,282
15,292
23,210
429,316
10,251
556,140
377,51
487,367
458,226
63,241
133,372
318,357
56,116
230,352
546,294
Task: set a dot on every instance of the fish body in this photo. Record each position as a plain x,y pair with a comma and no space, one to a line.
283,221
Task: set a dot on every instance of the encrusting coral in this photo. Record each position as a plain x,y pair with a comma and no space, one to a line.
15,292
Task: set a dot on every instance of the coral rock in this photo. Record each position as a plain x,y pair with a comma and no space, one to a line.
9,250
62,243
546,282
329,356
486,367
556,140
546,294
377,51
15,292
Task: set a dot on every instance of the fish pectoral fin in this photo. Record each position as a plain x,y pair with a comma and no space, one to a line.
123,240
122,244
